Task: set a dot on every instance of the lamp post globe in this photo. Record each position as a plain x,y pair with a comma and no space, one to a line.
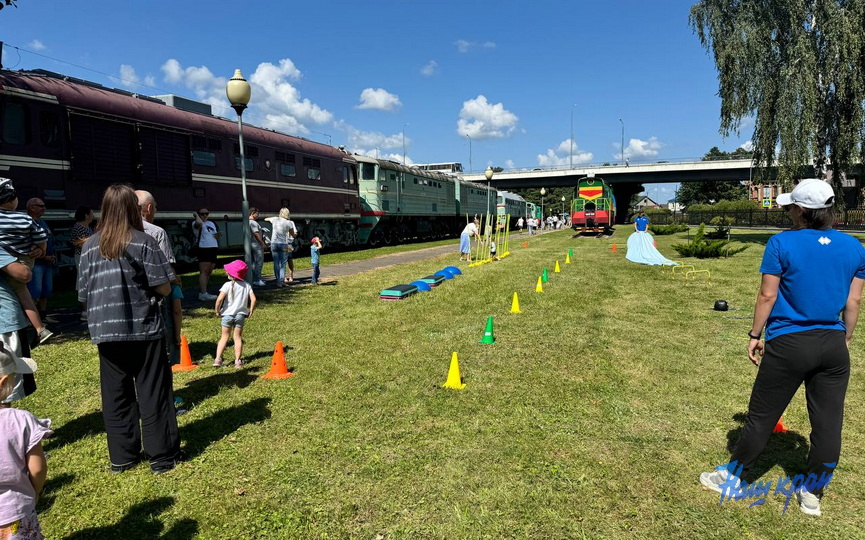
543,192
239,93
489,176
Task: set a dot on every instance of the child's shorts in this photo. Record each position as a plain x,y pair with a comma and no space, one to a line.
230,321
26,528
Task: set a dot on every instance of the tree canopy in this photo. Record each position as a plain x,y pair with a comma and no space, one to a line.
691,193
798,68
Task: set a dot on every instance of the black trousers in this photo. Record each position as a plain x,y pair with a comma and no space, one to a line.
820,359
136,388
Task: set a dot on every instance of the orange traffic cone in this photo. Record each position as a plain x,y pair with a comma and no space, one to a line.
614,248
780,427
525,244
655,243
185,358
278,369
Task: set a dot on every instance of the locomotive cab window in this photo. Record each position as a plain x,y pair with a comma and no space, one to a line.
313,173
347,175
16,128
287,169
49,128
367,171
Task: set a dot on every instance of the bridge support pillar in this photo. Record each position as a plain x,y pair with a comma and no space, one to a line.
623,193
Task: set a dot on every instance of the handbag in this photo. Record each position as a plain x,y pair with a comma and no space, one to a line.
193,249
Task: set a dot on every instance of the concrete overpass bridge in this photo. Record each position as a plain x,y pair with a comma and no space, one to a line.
625,180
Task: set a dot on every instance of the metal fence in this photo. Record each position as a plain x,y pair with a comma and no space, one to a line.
852,219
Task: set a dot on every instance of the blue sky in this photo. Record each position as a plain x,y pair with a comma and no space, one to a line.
491,82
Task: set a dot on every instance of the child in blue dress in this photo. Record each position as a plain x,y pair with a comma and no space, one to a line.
314,257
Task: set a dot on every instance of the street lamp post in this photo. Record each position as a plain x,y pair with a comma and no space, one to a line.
571,152
543,192
489,174
623,140
470,152
239,93
403,142
563,204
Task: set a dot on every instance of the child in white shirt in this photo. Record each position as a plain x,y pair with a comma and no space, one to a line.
239,307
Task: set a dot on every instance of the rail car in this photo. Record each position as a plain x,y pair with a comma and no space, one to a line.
65,140
593,207
511,204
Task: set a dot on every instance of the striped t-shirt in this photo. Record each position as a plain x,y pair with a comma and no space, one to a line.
118,292
19,233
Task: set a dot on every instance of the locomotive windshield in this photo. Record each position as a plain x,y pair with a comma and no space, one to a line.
367,171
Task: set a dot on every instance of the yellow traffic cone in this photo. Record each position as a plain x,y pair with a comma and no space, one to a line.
454,380
557,270
568,259
515,305
539,287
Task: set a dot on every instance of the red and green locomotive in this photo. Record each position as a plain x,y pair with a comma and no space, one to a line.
593,208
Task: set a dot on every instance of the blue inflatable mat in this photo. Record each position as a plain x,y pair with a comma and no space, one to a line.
421,285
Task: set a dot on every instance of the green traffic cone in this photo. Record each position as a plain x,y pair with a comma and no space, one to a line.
571,252
488,333
544,277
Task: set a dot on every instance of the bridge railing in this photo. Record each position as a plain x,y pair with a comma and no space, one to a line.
850,219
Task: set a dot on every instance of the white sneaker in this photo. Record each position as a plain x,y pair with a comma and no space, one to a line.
808,503
206,296
715,479
259,283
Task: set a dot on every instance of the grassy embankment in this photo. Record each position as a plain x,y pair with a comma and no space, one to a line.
592,416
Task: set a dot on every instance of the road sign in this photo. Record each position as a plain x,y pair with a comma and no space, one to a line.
767,203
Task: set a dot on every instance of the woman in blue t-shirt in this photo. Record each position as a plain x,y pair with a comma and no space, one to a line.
811,274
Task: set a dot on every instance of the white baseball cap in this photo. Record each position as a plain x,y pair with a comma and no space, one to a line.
809,193
10,363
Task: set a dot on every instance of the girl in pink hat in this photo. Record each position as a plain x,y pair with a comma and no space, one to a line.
234,305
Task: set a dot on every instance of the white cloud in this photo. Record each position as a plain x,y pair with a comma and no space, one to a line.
638,149
747,146
376,153
37,45
562,156
274,99
509,164
380,99
463,46
480,119
129,79
358,140
430,69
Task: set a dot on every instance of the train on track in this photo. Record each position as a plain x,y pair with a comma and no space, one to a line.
593,207
65,140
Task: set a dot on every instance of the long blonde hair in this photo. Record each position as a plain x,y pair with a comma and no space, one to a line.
120,215
284,213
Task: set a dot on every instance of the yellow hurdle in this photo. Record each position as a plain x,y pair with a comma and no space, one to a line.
693,274
682,268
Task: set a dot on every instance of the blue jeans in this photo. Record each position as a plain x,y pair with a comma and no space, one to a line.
316,273
257,261
280,258
42,283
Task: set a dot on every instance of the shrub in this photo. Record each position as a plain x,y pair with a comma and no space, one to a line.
663,230
703,248
722,227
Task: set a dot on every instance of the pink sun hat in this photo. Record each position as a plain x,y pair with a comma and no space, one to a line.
236,269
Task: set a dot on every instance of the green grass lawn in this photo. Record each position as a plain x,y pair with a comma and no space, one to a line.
590,417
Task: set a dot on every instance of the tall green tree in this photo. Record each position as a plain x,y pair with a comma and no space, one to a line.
798,68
